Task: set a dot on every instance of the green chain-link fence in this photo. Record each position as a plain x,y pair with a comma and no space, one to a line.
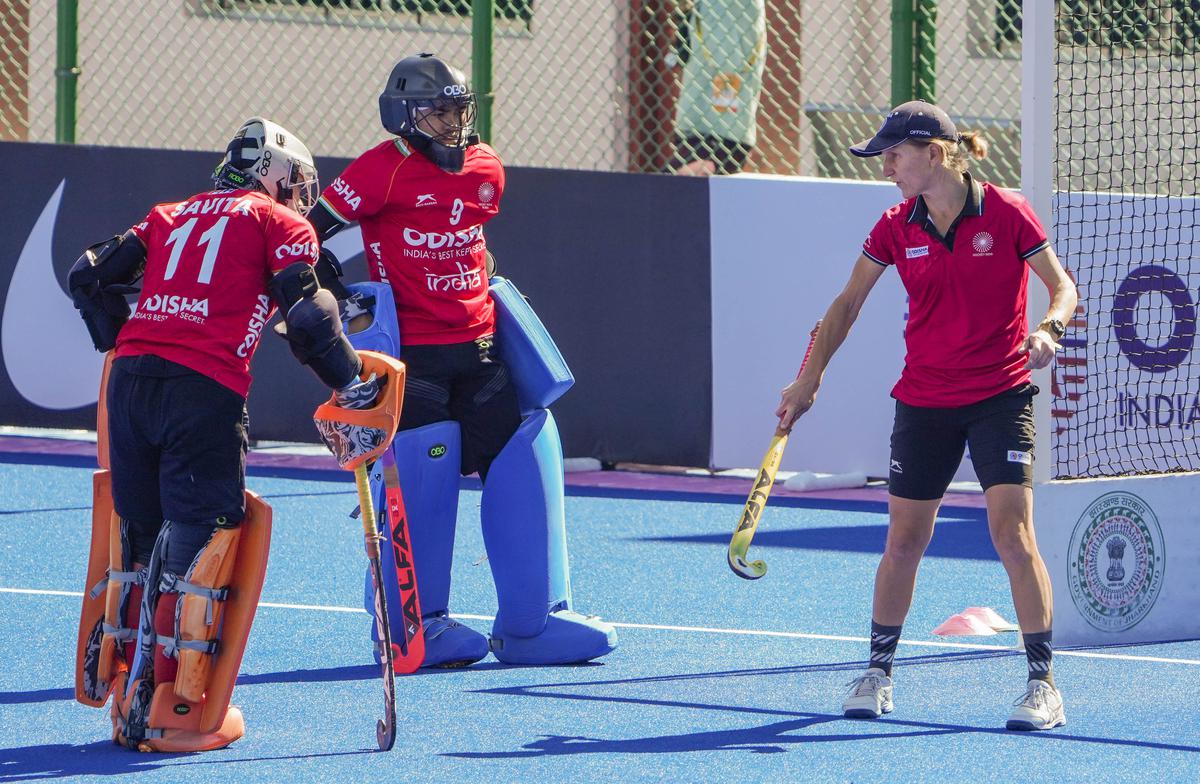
781,86
830,72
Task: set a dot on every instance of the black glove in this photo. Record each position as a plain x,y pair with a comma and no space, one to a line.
103,308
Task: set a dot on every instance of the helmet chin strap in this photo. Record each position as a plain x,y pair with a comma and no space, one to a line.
450,159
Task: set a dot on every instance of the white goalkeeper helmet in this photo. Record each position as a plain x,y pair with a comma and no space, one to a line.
265,156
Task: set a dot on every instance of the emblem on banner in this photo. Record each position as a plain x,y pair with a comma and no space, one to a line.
1117,560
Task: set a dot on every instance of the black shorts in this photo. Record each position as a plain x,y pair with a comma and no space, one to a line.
729,157
465,382
177,447
927,444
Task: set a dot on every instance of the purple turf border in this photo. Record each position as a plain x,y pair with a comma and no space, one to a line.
613,480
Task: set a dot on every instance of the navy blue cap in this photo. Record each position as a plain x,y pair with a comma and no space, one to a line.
915,120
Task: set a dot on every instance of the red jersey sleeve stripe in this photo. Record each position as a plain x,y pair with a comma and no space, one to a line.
1041,246
332,210
880,262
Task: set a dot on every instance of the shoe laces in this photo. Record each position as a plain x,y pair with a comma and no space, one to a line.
438,624
1034,696
864,685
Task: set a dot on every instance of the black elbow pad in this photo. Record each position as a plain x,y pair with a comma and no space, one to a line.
312,326
292,284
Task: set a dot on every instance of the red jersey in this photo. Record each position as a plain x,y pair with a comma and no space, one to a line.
422,231
966,294
204,297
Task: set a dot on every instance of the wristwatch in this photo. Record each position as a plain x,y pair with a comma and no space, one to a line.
1054,327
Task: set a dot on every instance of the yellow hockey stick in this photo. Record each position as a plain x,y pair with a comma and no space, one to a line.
739,545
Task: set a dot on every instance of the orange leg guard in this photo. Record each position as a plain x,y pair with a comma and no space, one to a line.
187,708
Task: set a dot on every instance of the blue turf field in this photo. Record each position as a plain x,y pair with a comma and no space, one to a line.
715,678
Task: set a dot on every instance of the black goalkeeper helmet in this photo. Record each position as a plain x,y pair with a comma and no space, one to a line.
267,157
429,104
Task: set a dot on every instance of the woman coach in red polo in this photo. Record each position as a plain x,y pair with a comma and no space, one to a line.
963,250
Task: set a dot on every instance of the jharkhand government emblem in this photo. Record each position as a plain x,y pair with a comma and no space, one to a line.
1117,561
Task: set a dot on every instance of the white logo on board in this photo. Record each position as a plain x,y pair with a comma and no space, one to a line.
36,299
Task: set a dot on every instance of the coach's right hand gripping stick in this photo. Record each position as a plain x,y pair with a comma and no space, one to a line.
739,545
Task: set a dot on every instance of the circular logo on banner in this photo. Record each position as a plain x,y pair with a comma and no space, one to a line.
1116,562
983,242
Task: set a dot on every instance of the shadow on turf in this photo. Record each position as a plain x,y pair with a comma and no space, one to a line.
771,738
964,538
326,675
360,672
104,758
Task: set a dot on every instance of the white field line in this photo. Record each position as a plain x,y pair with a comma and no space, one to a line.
709,630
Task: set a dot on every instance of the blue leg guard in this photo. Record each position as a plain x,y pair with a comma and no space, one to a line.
526,540
428,460
535,364
383,334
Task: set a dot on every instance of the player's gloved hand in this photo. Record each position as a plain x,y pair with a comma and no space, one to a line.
103,308
357,312
358,393
357,304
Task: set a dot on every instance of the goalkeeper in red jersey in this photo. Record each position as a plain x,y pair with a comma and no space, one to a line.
422,199
179,548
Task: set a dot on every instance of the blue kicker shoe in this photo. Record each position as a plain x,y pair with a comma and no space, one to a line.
449,644
569,638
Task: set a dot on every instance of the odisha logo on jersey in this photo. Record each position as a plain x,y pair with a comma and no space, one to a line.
982,243
262,312
353,201
443,239
174,304
377,249
487,192
297,249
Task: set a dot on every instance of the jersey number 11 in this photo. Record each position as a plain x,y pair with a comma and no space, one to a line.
210,238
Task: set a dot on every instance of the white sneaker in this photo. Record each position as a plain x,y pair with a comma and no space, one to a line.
1041,708
869,696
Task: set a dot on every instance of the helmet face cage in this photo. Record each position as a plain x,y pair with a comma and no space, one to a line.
447,120
300,188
